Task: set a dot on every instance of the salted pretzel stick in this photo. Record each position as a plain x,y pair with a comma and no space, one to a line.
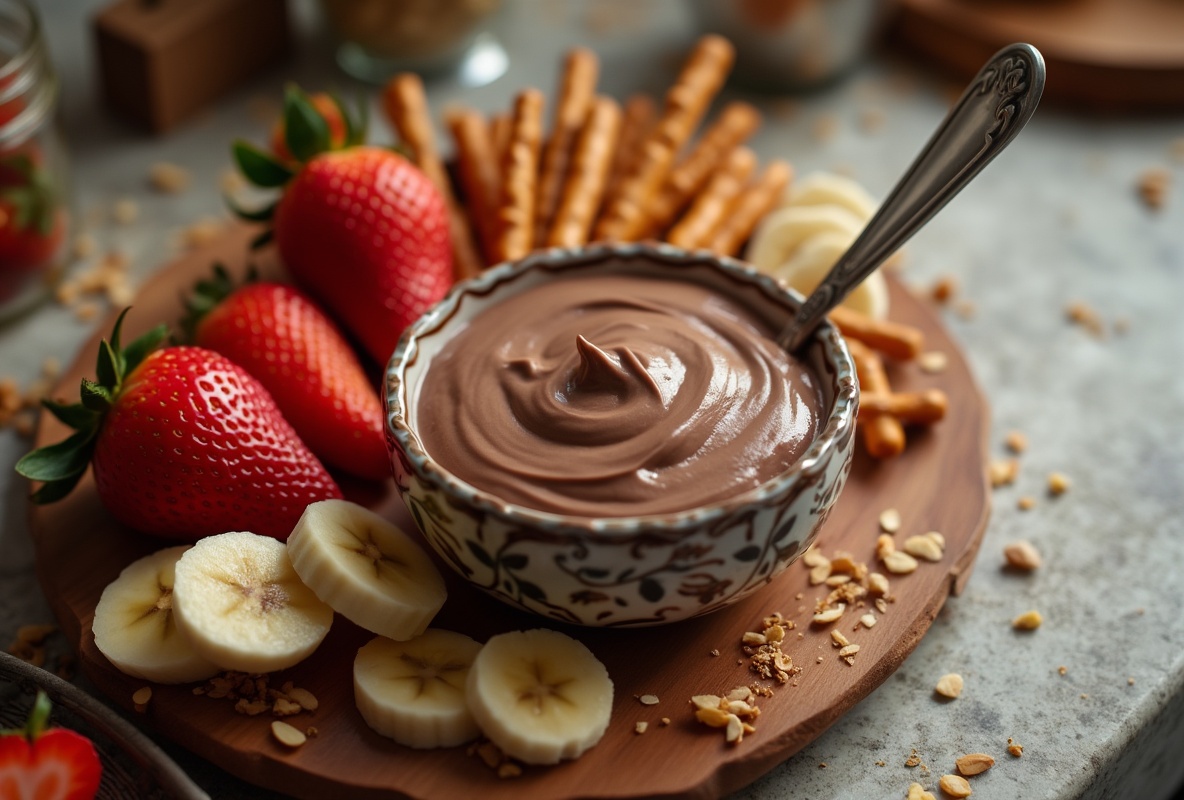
735,125
706,213
407,108
636,124
917,408
520,177
749,208
580,72
627,216
883,435
479,175
588,176
499,132
894,340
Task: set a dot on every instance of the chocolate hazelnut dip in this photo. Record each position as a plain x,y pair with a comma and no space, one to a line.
616,395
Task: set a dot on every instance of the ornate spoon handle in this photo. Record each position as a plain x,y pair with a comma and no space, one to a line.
995,106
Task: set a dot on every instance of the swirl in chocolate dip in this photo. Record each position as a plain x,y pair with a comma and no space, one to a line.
616,395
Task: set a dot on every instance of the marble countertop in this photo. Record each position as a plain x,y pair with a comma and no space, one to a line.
1056,220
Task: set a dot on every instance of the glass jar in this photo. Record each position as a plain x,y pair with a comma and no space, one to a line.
35,219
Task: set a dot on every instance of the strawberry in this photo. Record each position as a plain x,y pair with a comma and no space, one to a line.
276,333
184,444
32,224
40,764
361,229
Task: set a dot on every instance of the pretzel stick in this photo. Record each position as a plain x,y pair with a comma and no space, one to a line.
407,108
479,175
579,85
520,178
735,125
920,408
749,208
627,216
883,435
586,181
894,340
635,127
706,214
499,132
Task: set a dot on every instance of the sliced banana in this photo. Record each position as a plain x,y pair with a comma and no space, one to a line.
242,605
539,695
829,189
414,691
134,625
366,569
806,268
785,230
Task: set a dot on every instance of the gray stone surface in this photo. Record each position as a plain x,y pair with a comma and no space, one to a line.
1054,220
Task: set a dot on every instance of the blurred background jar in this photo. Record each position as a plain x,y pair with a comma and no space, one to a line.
792,45
382,37
34,202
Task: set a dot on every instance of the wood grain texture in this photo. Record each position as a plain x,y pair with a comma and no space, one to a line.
1104,55
938,484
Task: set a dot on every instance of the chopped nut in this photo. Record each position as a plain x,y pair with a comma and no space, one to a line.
716,717
734,733
949,685
974,763
714,652
664,721
877,583
838,637
491,754
965,309
283,707
917,792
881,606
1058,483
1003,472
200,233
884,545
84,246
849,650
900,563
1080,313
169,178
838,580
944,288
913,760
1016,442
286,735
1015,749
1026,503
640,727
933,362
508,769
813,557
868,620
830,614
1028,621
1154,185
1022,555
648,700
1130,681
706,701
311,731
231,182
251,707
753,638
125,211
739,693
924,546
304,697
1062,670
954,786
819,573
140,698
890,520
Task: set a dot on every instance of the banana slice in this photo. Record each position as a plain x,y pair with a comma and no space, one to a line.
414,692
539,695
783,231
134,625
366,569
243,607
829,189
806,268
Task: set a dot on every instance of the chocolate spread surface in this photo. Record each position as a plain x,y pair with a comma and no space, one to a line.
616,395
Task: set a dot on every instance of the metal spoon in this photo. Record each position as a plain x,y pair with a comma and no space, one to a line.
993,109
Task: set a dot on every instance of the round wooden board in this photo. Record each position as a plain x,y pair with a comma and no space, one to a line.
938,484
1106,55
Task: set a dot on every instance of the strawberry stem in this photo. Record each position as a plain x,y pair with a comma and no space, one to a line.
37,721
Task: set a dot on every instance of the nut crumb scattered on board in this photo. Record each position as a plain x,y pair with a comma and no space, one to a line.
1014,748
1062,670
974,763
169,178
1058,483
1003,472
286,735
1153,186
917,792
933,362
1028,621
1022,555
955,786
890,520
913,760
1026,503
949,685
1081,313
648,700
640,727
944,289
1016,442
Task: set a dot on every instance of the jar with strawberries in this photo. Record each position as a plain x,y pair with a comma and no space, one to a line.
34,209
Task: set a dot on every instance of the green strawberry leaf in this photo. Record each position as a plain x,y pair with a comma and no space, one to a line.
107,369
263,214
263,239
53,491
95,396
305,131
59,461
259,168
354,135
75,415
135,353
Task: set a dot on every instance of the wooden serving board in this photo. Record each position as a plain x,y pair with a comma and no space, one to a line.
938,484
1105,55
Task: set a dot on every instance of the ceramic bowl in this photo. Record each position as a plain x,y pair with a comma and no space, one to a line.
622,571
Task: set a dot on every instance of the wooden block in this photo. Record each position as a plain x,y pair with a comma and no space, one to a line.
161,61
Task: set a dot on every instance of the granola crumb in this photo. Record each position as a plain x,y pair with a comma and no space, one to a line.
949,685
664,721
890,520
1058,483
1081,313
168,178
1026,503
1153,187
944,289
1015,749
714,652
914,759
954,786
1016,442
1003,472
868,620
1022,555
917,792
1130,681
311,731
286,735
1028,621
1062,670
640,727
933,362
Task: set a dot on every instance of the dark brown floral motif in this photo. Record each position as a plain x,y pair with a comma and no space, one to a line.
704,587
588,596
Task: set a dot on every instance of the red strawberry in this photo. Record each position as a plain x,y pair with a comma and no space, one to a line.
363,230
32,223
184,444
276,333
39,764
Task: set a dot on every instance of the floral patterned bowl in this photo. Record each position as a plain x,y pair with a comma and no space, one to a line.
624,571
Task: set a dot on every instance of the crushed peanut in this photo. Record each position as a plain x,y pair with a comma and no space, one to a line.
640,727
839,639
899,562
868,620
949,685
1028,621
1003,472
733,715
1015,748
944,289
1026,503
1022,555
917,792
849,650
1058,483
890,520
168,178
767,658
1062,670
648,700
914,759
933,362
286,735
304,697
974,763
954,786
509,769
1153,187
1080,313
199,234
1016,442
884,545
877,584
927,546
140,698
829,615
